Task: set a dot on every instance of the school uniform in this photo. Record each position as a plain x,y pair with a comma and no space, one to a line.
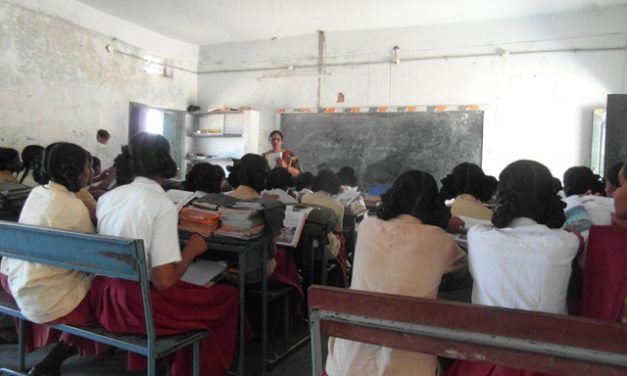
47,293
524,266
400,256
141,210
467,206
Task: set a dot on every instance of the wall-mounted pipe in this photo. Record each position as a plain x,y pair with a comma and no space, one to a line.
321,65
406,59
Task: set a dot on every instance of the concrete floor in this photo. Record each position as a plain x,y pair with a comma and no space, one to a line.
296,363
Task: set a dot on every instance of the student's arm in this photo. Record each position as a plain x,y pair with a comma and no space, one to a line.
165,276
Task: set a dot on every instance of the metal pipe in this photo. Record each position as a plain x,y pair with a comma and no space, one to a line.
439,57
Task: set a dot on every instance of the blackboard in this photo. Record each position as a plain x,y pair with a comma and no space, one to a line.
381,146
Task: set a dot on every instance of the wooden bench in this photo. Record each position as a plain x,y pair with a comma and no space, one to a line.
555,344
97,254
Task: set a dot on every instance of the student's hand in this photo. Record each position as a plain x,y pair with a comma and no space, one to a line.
457,225
196,245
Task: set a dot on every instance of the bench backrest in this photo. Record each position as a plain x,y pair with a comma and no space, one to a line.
98,254
92,253
555,344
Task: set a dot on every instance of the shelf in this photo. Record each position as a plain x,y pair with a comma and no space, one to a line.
216,135
216,112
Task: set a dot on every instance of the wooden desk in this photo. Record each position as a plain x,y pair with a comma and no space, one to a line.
251,256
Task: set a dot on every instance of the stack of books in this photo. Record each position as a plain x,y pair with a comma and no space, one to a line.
202,221
243,221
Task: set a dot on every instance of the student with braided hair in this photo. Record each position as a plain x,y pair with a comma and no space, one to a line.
48,294
32,159
470,187
402,250
523,260
139,209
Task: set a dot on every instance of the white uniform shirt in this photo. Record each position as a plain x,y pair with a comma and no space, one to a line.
599,209
141,210
524,266
43,292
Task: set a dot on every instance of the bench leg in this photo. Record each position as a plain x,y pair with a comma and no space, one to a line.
21,346
152,365
316,345
196,358
286,319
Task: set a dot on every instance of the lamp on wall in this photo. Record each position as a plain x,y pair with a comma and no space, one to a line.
395,58
502,53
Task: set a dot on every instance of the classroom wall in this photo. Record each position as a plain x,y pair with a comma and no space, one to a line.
538,104
59,83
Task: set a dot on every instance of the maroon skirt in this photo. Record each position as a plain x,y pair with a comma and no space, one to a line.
38,335
181,308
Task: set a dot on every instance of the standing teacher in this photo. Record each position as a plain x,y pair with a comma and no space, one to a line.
279,157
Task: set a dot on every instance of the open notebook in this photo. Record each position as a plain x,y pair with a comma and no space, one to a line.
204,272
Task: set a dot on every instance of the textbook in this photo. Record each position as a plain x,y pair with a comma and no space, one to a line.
272,157
180,198
204,272
293,224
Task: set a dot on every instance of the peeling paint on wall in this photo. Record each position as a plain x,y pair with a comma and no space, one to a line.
58,83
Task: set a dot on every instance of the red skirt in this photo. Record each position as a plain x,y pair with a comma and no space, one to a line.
179,309
39,335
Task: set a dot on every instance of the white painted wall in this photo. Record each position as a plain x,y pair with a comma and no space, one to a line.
538,105
58,82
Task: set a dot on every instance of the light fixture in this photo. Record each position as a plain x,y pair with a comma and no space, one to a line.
502,53
396,59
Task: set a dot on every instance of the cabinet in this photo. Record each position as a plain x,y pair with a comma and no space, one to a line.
219,137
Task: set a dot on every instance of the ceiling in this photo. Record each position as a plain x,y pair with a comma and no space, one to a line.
205,22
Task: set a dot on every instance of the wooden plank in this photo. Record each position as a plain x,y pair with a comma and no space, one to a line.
473,352
514,338
535,326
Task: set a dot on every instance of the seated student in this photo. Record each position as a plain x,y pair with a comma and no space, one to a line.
96,165
398,251
349,195
325,186
10,164
304,181
279,181
31,158
523,260
139,209
611,179
470,187
252,172
86,196
205,177
346,176
232,181
583,208
605,282
44,293
619,218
